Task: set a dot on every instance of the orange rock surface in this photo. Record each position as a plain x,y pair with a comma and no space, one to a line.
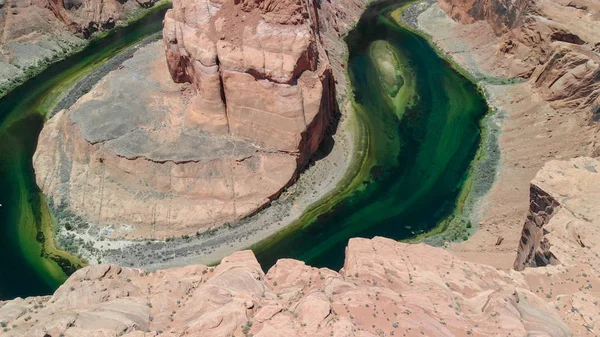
385,288
258,69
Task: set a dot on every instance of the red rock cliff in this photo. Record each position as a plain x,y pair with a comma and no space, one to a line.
555,43
258,69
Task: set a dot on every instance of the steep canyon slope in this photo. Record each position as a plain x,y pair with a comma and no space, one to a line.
385,288
35,33
554,43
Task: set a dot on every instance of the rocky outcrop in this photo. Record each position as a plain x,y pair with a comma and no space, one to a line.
258,68
550,42
503,15
142,157
562,200
385,288
36,33
125,160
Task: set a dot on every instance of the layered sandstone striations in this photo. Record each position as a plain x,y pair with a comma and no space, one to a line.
143,157
258,69
385,288
553,43
35,33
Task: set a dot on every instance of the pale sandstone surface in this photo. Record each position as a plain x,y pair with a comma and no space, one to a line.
123,157
148,158
552,115
562,228
33,33
385,288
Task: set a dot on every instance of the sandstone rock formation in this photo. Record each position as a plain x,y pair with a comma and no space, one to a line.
33,33
551,42
563,202
143,157
385,288
571,235
258,69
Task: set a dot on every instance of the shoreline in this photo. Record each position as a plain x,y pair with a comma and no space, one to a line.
297,203
31,72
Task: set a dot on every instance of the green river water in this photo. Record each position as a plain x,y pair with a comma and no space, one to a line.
25,221
420,130
416,118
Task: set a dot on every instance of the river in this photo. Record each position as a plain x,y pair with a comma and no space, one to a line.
417,120
25,221
420,130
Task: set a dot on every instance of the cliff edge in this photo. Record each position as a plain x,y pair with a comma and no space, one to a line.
384,288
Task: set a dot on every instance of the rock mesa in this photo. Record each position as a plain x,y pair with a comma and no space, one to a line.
141,156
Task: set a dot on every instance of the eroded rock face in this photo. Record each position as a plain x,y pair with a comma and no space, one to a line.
562,200
503,15
258,68
35,32
534,248
551,42
569,191
143,157
385,287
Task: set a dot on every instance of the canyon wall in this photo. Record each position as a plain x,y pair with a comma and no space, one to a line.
36,33
258,69
553,43
563,213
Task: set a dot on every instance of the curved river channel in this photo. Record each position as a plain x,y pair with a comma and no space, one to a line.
417,121
24,216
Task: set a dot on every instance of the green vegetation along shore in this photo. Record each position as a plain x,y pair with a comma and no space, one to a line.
419,133
33,265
